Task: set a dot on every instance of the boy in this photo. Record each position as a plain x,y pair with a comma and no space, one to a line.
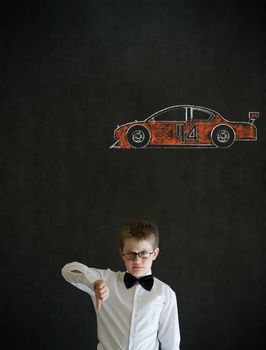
135,311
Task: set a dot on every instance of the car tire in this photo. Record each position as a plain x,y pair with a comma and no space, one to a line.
138,136
223,136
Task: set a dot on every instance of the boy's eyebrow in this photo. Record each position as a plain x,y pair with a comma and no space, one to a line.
132,251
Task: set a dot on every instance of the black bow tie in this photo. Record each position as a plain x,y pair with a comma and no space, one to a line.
145,281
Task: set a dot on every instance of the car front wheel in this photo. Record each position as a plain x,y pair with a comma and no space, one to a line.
138,136
223,136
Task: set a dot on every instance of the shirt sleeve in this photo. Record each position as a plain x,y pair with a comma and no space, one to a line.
83,280
168,332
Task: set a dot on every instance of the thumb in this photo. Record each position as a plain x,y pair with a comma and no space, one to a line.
98,303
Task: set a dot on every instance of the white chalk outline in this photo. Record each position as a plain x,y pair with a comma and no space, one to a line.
190,109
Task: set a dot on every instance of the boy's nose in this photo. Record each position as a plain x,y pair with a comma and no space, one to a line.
137,259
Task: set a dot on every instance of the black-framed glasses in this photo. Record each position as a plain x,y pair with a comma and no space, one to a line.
132,255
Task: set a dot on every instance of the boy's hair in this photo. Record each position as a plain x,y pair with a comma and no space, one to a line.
140,230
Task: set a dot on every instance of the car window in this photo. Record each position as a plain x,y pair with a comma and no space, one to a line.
178,114
200,115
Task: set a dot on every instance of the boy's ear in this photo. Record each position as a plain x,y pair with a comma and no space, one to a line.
155,253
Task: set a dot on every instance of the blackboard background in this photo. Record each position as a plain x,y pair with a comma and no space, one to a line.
72,71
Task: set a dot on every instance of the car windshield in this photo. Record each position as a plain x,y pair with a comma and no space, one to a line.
201,115
172,114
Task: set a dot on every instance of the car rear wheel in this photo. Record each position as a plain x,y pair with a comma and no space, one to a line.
138,136
223,136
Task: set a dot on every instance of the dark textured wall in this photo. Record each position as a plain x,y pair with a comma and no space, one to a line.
72,71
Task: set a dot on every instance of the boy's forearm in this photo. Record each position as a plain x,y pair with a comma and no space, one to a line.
80,275
77,272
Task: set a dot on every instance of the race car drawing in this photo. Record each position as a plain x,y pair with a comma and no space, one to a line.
185,126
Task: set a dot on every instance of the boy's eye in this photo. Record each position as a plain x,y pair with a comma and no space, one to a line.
144,254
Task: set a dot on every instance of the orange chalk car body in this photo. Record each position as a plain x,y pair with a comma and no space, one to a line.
185,126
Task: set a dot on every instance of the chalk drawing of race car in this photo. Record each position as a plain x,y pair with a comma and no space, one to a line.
185,126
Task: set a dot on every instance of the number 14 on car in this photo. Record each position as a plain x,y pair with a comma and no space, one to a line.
187,133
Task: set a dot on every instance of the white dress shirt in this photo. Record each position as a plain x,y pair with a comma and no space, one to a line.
130,319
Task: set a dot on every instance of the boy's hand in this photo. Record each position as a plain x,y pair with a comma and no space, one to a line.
101,292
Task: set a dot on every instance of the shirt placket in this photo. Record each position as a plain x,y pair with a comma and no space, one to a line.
132,336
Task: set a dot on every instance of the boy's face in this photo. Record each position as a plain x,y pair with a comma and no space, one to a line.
138,267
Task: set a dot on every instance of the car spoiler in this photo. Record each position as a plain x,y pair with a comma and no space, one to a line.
252,116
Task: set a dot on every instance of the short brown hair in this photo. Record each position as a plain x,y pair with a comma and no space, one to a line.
140,230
